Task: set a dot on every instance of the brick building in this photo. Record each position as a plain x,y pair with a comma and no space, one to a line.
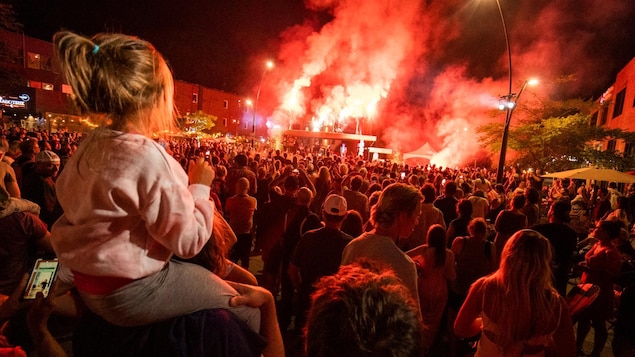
617,109
37,96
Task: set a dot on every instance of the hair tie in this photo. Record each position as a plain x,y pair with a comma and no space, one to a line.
95,49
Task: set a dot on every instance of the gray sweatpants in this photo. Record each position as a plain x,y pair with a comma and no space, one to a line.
178,289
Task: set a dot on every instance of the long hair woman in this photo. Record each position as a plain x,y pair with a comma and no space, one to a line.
517,310
322,188
435,267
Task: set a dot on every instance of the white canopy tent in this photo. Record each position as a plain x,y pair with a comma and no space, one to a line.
590,173
424,152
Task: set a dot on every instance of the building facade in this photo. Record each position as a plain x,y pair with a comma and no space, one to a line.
34,94
617,109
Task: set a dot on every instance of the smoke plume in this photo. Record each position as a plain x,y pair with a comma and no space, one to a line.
416,72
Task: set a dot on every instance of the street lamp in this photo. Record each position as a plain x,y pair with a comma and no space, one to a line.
508,103
509,97
250,104
268,66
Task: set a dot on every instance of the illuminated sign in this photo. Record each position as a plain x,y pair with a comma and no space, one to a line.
17,102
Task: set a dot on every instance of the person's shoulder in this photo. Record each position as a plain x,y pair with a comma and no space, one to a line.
344,236
459,242
481,283
541,227
361,240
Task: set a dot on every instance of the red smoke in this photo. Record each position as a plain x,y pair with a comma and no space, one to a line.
430,71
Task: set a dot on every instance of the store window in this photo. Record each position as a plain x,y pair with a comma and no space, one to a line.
48,86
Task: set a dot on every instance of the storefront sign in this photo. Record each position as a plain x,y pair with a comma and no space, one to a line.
15,102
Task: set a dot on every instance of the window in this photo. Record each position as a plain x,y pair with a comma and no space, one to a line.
629,150
195,98
33,60
610,146
605,113
66,89
224,121
47,86
226,104
45,63
35,84
619,103
594,119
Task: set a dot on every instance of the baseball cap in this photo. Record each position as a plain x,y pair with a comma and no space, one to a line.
335,205
47,156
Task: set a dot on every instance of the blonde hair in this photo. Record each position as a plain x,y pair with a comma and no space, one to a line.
121,81
393,200
304,196
523,286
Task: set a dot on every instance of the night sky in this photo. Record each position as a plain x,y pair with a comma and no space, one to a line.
206,41
217,43
434,66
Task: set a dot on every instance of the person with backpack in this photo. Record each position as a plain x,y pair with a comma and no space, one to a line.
475,258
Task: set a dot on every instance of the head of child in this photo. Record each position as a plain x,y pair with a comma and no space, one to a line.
120,81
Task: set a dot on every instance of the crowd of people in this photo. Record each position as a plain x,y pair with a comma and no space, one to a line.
155,234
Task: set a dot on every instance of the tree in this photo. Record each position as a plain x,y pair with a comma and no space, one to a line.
9,76
558,136
7,18
199,122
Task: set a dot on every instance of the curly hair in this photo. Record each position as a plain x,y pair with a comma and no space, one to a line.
362,311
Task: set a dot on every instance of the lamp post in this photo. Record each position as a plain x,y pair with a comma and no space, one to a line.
508,104
268,66
508,113
250,104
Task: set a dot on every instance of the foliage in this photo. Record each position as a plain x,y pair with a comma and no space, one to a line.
7,18
557,136
199,122
8,56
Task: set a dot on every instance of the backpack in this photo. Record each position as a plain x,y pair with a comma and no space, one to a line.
487,247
